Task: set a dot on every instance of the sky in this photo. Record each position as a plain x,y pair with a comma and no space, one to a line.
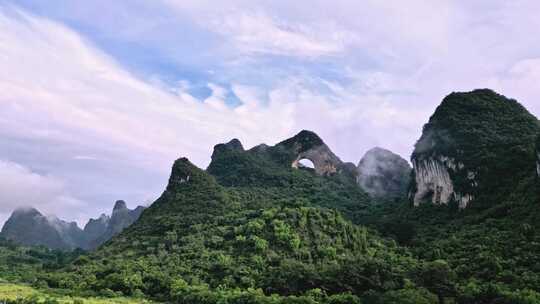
98,98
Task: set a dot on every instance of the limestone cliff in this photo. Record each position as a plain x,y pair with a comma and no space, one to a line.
433,181
473,150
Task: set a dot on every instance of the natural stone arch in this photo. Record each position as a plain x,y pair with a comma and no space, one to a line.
306,163
324,161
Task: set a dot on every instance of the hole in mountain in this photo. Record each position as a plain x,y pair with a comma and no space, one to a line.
306,163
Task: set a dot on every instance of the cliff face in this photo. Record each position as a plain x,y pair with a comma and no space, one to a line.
434,184
474,149
384,174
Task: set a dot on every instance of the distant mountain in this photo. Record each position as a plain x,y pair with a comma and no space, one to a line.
384,174
100,230
27,226
95,228
476,147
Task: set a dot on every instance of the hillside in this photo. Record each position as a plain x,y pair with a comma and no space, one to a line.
491,244
200,235
474,150
272,173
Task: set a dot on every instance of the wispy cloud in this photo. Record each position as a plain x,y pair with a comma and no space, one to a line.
19,186
256,33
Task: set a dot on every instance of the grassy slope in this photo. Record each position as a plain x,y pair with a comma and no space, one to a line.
11,292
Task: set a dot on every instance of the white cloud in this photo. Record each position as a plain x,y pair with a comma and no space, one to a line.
260,34
19,187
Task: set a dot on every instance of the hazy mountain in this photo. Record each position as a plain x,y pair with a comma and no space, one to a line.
100,230
27,226
384,174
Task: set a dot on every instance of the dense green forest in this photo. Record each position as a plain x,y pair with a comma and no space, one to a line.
252,229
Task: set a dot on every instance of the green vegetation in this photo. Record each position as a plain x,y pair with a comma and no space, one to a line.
263,175
251,229
23,294
22,264
490,135
236,248
492,254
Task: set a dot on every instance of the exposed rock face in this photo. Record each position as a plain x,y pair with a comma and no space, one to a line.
98,231
29,227
474,148
433,182
384,174
308,145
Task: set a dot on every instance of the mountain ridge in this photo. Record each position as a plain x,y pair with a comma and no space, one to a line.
28,226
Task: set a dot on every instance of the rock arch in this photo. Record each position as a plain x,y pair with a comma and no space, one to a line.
306,163
324,161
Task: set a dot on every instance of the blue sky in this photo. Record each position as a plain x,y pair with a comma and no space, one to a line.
97,98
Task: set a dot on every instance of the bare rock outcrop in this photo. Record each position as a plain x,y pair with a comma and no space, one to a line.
308,145
434,184
384,174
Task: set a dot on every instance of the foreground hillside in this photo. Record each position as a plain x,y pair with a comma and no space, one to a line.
200,237
23,294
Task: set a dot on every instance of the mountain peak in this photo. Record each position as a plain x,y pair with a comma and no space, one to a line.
303,141
476,143
26,211
382,173
184,172
119,205
28,226
232,145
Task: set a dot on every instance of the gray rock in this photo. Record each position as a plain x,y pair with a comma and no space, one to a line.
384,174
120,219
308,145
